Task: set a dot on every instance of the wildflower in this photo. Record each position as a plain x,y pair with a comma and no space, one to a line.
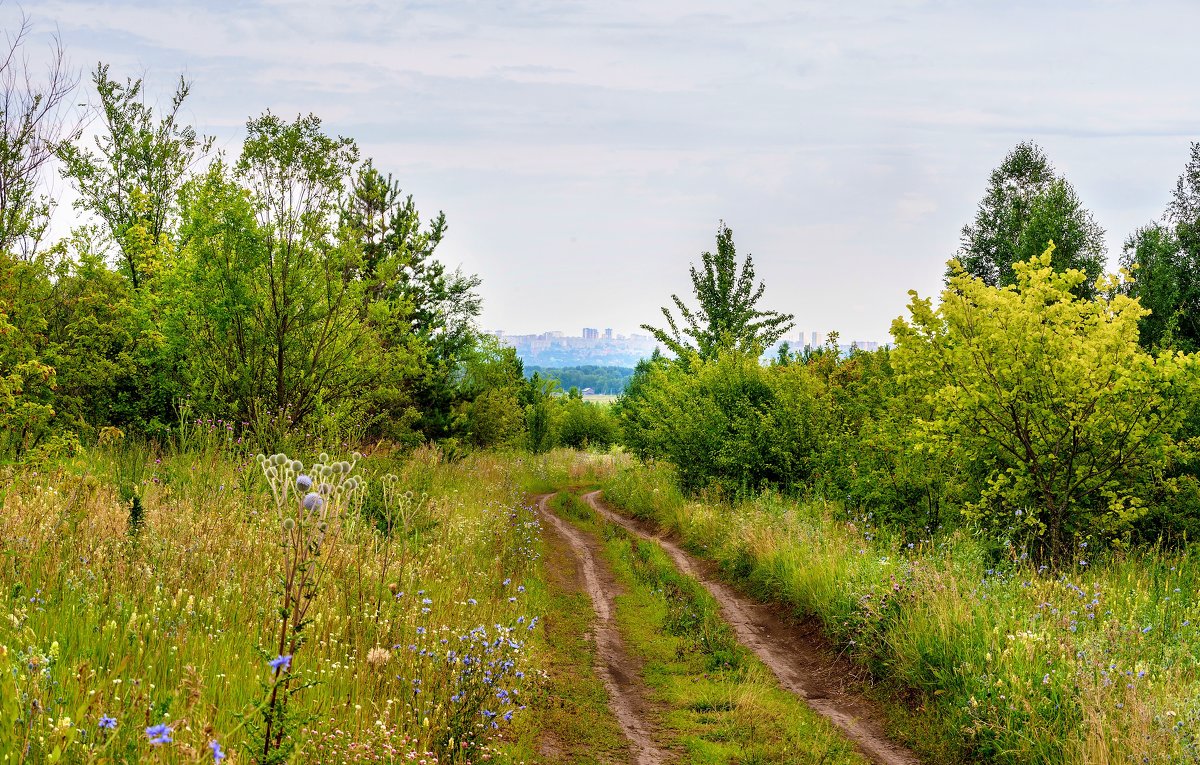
312,501
281,663
217,753
303,482
159,734
377,657
106,723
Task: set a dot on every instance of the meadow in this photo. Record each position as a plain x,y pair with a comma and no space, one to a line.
158,638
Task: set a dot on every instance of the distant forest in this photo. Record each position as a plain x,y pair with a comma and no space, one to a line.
609,380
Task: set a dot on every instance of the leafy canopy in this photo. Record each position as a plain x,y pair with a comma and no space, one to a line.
1045,401
1026,206
728,317
1165,260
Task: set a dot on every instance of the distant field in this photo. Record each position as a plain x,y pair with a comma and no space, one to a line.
600,398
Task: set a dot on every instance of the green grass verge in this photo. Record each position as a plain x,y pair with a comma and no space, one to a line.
1002,662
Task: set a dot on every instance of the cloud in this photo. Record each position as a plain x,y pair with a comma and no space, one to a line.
846,143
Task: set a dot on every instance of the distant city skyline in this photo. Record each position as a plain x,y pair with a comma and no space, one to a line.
607,347
810,337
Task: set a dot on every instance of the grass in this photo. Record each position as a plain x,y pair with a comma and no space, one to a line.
713,701
173,624
1095,663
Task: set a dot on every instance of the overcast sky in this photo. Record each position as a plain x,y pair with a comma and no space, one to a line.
584,152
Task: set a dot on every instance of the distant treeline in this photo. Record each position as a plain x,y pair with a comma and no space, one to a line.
609,380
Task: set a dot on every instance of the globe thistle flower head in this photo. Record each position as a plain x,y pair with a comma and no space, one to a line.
312,501
289,524
325,489
279,459
297,466
303,482
323,458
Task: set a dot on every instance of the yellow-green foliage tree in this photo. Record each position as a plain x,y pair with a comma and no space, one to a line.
1045,400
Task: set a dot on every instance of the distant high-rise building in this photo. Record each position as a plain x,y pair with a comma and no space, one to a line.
818,339
608,335
591,334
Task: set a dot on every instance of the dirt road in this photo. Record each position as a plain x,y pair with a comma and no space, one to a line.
626,692
799,658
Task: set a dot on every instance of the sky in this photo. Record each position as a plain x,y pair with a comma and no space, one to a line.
585,152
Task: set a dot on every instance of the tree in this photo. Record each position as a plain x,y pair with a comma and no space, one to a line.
1051,410
413,299
1166,281
727,422
1183,212
1027,206
1164,259
34,117
27,383
132,181
728,317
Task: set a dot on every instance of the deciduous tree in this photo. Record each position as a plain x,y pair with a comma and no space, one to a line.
1027,206
1046,400
132,180
35,116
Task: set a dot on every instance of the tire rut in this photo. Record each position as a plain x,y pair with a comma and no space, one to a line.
626,693
799,658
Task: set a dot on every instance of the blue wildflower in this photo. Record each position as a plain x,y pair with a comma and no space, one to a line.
303,483
313,501
217,753
159,734
281,663
107,723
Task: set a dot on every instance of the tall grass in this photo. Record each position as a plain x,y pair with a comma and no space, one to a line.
415,641
1095,663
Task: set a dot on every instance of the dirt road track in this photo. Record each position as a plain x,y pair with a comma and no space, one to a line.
798,657
626,693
